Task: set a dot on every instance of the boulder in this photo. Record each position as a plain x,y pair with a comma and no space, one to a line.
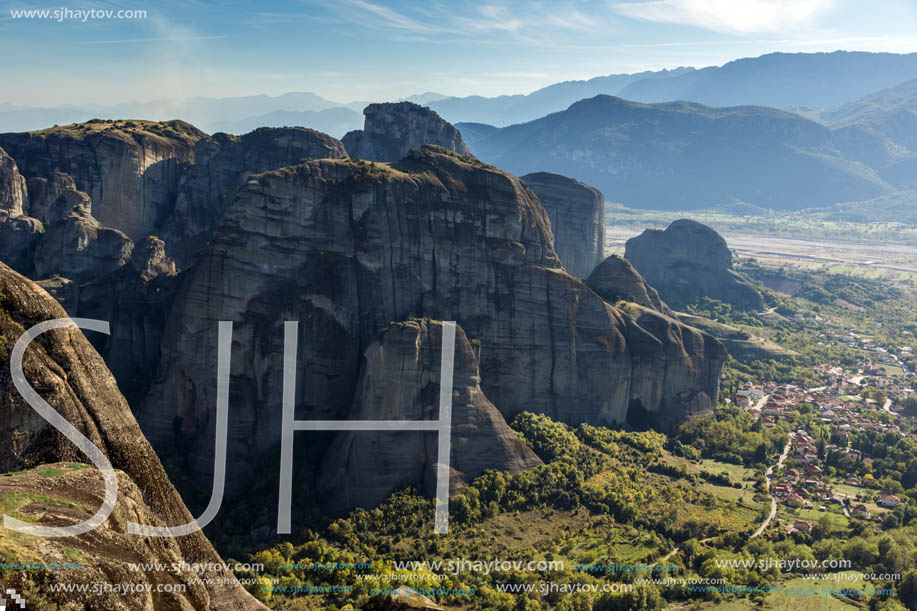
689,261
392,129
616,279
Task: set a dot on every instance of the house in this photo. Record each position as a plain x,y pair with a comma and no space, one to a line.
802,526
890,501
852,480
860,510
794,500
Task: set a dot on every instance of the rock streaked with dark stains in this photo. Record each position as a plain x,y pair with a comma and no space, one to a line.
222,163
67,372
135,299
345,247
392,129
577,213
80,249
689,261
400,380
130,169
14,196
616,279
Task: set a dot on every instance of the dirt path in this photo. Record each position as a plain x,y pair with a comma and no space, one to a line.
770,475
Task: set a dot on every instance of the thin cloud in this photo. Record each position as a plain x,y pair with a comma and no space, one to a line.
731,16
152,39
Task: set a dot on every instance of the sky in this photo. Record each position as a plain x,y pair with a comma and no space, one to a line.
348,50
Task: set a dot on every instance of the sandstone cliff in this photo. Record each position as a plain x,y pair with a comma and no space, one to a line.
689,261
221,164
616,279
399,380
345,247
19,234
80,249
391,130
67,372
173,180
577,213
14,197
130,169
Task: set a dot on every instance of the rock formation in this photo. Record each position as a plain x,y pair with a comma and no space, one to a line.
615,279
345,247
68,373
391,130
689,261
577,213
130,169
19,234
80,249
135,299
14,197
400,380
53,198
221,164
175,181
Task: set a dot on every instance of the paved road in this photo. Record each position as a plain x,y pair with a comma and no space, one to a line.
888,406
769,475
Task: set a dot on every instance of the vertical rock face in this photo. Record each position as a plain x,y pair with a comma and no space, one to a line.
345,247
19,234
14,198
54,197
391,130
68,373
676,369
689,261
400,380
577,213
135,299
92,184
80,249
130,169
615,279
223,163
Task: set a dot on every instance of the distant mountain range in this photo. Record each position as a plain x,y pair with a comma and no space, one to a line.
682,156
780,80
798,81
881,131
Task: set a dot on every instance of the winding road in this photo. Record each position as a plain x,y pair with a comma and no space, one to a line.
770,475
773,513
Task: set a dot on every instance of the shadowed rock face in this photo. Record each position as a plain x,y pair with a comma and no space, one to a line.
80,249
577,213
19,234
221,164
130,169
615,279
14,198
171,177
345,247
391,130
400,380
68,373
689,261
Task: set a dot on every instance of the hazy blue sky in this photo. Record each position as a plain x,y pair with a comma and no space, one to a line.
379,49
